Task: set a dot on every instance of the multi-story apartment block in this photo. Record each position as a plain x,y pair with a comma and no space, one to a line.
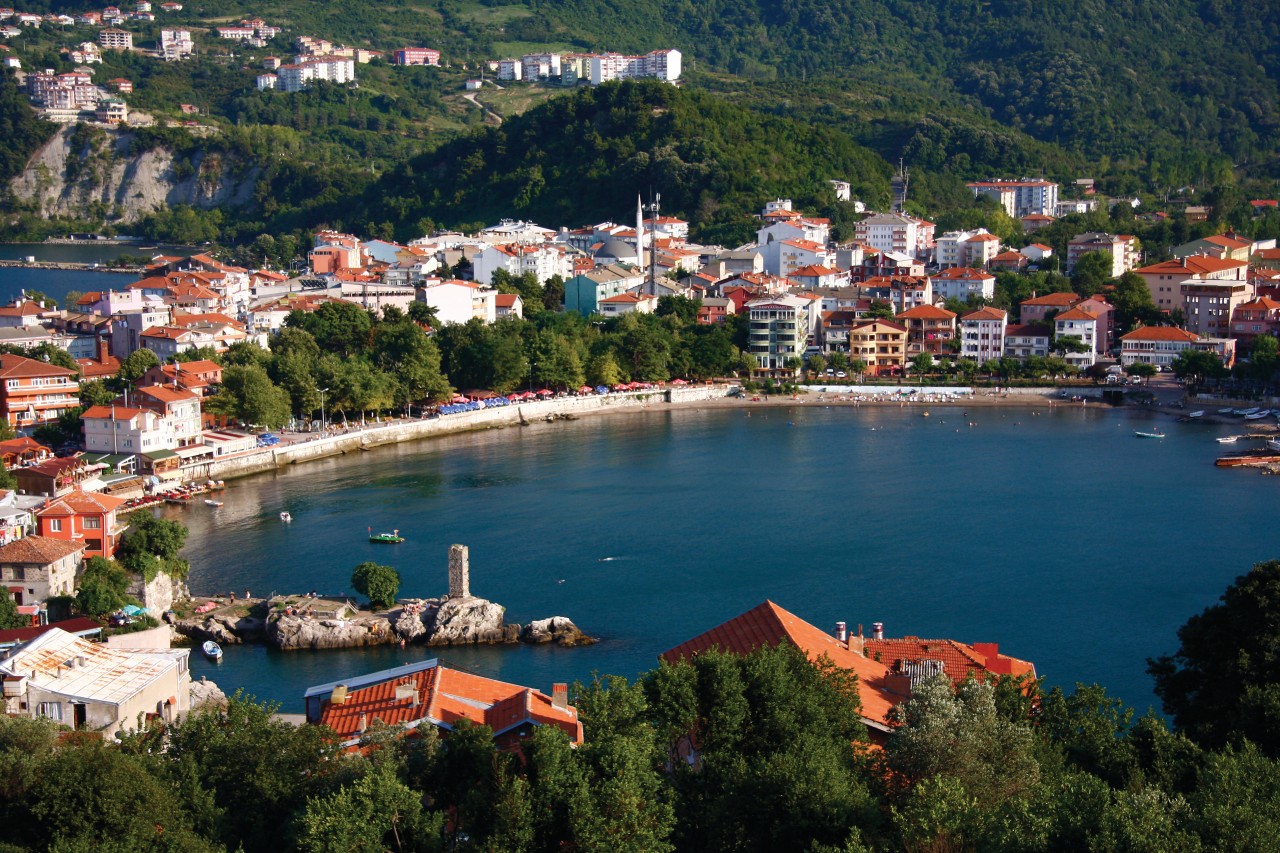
1083,326
894,232
880,344
779,331
112,38
1161,345
1026,340
176,45
966,248
1165,279
415,56
540,66
35,393
543,261
1124,250
1018,198
1209,305
510,70
929,329
335,69
982,334
1257,317
660,64
963,283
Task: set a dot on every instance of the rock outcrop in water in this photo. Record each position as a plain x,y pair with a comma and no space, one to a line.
305,622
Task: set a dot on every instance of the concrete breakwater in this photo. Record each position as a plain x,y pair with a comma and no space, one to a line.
69,266
272,458
311,622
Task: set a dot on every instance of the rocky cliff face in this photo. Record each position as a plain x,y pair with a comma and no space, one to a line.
79,171
299,632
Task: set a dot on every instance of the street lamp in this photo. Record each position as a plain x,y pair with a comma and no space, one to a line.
322,391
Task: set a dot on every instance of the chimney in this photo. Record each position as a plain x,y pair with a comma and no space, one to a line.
364,723
560,695
104,348
842,632
877,630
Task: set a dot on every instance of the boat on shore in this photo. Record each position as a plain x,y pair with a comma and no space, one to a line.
1249,457
212,502
1225,411
211,650
1140,434
1257,416
1199,414
392,538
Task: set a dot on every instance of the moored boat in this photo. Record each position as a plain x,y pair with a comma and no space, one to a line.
1253,457
284,516
211,650
1225,411
211,502
1199,414
392,538
1140,434
1228,439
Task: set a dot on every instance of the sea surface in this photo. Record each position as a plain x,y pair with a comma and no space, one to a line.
57,283
1058,535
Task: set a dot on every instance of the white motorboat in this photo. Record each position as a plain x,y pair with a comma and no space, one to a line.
284,516
1199,414
211,650
1228,439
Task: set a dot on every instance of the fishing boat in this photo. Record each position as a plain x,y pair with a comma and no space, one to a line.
1257,416
211,650
392,538
1251,457
1140,434
1228,439
1251,411
212,502
284,516
1225,411
1199,414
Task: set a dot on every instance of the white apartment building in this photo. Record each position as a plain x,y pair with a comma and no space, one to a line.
660,64
893,232
543,260
780,327
966,248
121,429
1082,325
1123,248
539,66
982,334
510,70
112,38
458,301
176,45
1020,197
335,69
963,283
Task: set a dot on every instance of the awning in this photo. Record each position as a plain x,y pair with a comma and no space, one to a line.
157,455
194,450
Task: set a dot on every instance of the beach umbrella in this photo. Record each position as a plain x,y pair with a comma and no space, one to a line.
679,382
515,396
544,393
585,389
602,389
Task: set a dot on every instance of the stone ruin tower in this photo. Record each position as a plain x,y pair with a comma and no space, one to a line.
459,571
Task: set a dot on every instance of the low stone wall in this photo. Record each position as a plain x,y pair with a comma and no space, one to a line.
271,458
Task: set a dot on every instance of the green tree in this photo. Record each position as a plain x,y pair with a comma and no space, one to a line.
137,363
96,393
378,583
816,363
603,369
681,307
922,363
1141,369
1092,272
374,814
254,398
7,478
153,545
1198,365
880,310
1134,306
1264,357
1222,682
103,587
9,615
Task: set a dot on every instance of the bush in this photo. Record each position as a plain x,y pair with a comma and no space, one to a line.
379,583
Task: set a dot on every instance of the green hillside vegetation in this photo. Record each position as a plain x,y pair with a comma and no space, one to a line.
586,156
720,753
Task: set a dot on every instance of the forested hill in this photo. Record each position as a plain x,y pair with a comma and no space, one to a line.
585,157
1190,81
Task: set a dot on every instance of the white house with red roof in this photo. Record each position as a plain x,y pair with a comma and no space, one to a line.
457,301
1025,340
508,305
627,303
1083,326
982,334
543,260
963,283
966,248
816,275
180,407
1161,345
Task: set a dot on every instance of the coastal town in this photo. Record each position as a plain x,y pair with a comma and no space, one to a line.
639,427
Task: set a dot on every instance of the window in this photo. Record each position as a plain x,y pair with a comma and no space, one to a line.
55,525
92,523
51,710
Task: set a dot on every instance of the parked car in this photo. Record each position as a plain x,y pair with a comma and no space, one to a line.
840,374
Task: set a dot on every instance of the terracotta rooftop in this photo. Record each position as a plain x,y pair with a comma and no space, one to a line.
768,625
1053,300
1192,265
81,502
17,367
927,312
959,660
38,550
1159,333
441,696
1076,314
987,313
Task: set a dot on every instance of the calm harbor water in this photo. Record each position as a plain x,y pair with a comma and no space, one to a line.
57,283
1058,535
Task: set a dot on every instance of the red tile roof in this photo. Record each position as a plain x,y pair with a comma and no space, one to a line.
80,502
17,367
958,660
1053,300
445,696
1159,333
987,313
963,273
927,312
768,625
1076,314
38,550
1192,265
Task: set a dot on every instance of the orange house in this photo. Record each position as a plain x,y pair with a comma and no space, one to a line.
86,517
34,393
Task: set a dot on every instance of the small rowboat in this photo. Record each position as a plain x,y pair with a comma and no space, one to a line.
211,650
1141,434
1228,439
1199,414
212,502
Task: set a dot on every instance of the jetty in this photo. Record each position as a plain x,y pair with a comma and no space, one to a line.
310,621
69,266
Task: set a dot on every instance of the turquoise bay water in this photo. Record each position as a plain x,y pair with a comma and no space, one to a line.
1058,535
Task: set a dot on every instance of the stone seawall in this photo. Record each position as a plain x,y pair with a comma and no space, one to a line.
271,458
